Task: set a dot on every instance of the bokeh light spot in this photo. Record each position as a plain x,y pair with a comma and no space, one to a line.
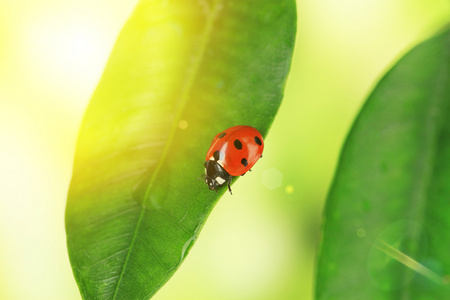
361,233
183,124
272,178
289,189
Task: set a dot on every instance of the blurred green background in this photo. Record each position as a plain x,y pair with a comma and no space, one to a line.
259,243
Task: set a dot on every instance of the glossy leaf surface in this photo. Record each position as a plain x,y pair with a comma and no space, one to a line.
387,218
181,72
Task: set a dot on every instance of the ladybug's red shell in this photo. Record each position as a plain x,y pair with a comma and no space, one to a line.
236,149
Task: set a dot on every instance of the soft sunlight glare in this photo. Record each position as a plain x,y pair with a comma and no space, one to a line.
69,49
51,60
29,197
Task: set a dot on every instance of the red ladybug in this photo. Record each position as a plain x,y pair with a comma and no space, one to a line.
232,153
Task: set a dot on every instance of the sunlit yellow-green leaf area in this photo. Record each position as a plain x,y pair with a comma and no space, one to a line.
259,243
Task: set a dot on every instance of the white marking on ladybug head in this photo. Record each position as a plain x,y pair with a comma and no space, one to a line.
220,180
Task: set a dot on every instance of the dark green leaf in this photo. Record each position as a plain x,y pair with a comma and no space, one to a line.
181,72
387,218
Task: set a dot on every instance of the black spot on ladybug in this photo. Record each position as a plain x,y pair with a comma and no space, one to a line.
238,144
258,141
216,155
222,135
244,162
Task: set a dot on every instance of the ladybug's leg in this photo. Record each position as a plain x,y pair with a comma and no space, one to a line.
229,187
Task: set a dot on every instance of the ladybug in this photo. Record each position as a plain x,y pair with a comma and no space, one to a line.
233,152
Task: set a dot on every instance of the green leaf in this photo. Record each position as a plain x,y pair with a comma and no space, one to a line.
181,72
387,218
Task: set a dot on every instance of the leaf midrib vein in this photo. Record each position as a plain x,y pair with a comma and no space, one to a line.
184,97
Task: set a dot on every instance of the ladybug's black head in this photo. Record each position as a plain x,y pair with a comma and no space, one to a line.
211,182
215,175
